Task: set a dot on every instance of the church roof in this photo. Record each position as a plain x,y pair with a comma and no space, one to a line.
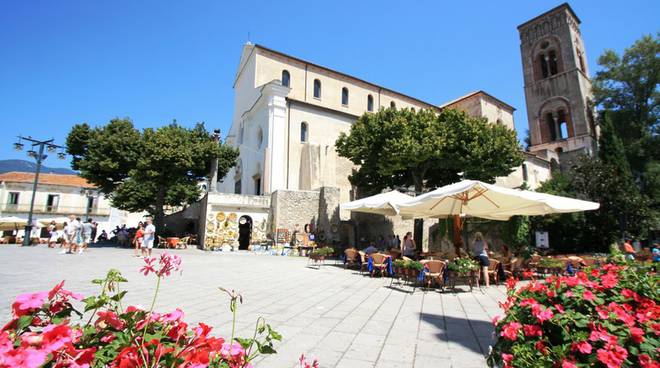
562,6
430,105
480,92
51,179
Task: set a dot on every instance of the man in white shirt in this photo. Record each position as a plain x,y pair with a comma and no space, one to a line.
87,229
148,238
72,233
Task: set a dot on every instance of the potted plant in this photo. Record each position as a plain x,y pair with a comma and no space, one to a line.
414,268
399,266
321,253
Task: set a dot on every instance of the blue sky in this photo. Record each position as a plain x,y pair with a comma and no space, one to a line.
65,62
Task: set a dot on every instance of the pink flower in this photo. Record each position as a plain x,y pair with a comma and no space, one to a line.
26,303
637,334
24,358
613,357
55,337
568,364
174,316
507,359
543,315
568,294
149,266
495,320
609,281
532,330
510,331
109,319
583,347
588,295
646,362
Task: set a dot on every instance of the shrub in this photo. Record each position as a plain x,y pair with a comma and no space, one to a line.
41,332
607,317
463,266
322,252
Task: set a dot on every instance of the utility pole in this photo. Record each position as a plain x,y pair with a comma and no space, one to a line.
39,157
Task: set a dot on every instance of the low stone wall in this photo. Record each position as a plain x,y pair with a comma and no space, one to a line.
292,209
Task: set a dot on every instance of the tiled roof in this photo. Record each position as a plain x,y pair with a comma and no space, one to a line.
52,179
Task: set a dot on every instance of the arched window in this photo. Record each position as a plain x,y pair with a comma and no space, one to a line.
552,60
286,78
344,96
550,121
317,88
393,105
543,62
304,132
370,103
563,124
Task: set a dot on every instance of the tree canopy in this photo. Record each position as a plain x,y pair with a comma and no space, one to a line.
150,169
424,149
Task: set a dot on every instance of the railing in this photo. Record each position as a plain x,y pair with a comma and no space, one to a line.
55,210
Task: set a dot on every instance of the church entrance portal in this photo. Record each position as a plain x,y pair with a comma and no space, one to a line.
244,232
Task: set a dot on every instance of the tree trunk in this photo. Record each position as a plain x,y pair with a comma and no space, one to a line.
458,232
159,213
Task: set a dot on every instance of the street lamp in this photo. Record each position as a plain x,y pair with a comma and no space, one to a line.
39,157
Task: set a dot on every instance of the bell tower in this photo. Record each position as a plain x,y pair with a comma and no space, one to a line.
557,86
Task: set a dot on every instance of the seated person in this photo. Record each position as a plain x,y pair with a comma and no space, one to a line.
371,249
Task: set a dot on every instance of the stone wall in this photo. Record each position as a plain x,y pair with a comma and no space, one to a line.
292,209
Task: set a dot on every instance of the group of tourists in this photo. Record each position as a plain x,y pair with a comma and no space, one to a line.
144,238
74,236
407,246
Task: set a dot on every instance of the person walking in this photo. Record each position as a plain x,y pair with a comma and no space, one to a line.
87,230
138,239
94,229
52,234
481,253
629,250
149,237
409,245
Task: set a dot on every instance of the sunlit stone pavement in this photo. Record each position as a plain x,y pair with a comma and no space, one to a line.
337,315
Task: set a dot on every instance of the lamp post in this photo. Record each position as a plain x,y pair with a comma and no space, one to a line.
39,156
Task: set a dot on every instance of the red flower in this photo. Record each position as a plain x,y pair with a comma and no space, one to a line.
542,316
55,337
511,283
588,295
26,303
24,358
507,359
510,331
583,347
568,364
637,334
109,319
540,346
532,330
613,357
149,266
609,281
646,362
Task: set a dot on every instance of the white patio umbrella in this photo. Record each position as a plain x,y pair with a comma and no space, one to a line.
478,199
382,204
12,223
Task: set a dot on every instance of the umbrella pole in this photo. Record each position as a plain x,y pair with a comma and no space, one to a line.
458,239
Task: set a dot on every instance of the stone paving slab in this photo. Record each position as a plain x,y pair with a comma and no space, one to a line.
343,318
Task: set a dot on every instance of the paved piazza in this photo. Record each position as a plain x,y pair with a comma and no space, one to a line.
344,319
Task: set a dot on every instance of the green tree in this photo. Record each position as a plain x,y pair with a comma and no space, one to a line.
423,149
626,89
148,170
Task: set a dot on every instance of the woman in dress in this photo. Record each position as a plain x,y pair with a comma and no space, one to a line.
52,234
481,253
409,245
137,240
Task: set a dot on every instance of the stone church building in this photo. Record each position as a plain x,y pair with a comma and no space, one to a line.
288,113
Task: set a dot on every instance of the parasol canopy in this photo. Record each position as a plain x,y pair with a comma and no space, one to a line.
12,223
479,199
382,204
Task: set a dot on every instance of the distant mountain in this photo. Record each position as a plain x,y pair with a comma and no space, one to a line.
29,166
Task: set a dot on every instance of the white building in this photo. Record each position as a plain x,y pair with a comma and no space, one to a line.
288,113
58,196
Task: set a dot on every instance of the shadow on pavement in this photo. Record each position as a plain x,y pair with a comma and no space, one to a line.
473,335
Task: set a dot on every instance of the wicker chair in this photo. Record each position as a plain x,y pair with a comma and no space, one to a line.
435,272
351,257
379,263
493,270
363,261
